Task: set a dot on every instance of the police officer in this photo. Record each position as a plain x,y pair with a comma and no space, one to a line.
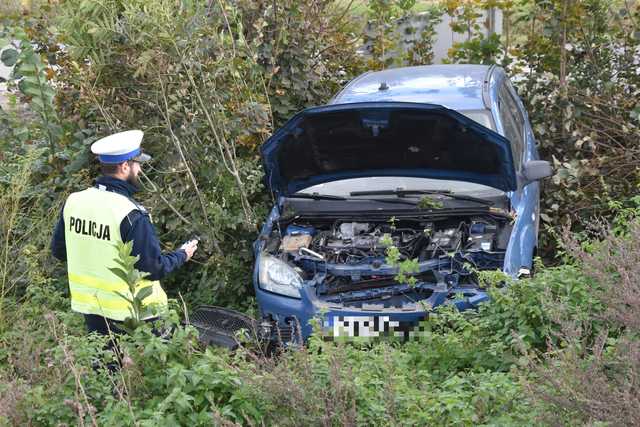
94,220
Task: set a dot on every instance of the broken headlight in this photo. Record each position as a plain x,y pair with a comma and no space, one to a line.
277,277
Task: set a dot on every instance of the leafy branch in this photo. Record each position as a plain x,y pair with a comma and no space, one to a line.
33,77
133,278
407,267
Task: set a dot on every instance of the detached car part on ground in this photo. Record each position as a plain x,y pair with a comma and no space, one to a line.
437,161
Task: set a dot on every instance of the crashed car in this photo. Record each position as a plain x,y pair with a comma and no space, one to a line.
436,161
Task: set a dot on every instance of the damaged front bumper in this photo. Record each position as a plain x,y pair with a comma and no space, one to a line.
289,321
364,313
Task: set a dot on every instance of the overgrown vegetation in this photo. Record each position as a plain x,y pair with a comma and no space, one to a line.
208,82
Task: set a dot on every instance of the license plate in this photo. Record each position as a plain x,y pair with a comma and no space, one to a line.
371,327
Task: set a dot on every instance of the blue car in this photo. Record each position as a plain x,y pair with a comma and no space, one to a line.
438,162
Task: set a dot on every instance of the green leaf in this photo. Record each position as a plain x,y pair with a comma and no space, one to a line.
79,162
37,102
136,275
27,70
9,57
30,88
144,292
120,273
125,251
117,260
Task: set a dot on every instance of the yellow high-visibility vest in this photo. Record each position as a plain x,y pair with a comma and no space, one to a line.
92,231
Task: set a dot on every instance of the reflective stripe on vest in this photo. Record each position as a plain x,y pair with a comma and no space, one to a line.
92,231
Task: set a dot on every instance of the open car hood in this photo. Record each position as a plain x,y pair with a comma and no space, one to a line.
342,141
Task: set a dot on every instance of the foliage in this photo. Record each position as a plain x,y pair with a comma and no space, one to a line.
306,50
470,375
208,82
575,66
162,381
18,223
466,18
397,34
427,202
137,289
421,35
379,385
171,381
581,75
625,215
405,267
540,305
588,373
33,77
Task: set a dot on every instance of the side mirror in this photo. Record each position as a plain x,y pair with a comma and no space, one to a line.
535,170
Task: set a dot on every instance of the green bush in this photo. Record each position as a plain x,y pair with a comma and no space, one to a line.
466,368
384,384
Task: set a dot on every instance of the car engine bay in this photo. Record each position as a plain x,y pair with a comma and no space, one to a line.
342,257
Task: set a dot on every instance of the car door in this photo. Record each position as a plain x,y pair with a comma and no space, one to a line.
525,199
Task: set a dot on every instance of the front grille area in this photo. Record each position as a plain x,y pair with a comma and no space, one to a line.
220,326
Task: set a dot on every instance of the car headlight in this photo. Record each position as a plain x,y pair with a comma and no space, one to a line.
276,276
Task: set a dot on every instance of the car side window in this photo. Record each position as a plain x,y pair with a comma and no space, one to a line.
513,124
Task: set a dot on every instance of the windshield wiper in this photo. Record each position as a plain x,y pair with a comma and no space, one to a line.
403,193
396,201
315,196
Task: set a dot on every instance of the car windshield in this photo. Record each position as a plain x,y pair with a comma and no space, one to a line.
480,116
345,187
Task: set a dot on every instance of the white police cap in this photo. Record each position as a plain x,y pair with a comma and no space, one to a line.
120,147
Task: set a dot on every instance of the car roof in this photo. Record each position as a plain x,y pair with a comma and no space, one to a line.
455,86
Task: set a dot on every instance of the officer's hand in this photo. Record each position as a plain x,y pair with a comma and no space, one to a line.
190,247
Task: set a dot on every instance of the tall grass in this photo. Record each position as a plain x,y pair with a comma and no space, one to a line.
592,375
20,220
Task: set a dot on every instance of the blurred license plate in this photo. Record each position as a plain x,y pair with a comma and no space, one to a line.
371,327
